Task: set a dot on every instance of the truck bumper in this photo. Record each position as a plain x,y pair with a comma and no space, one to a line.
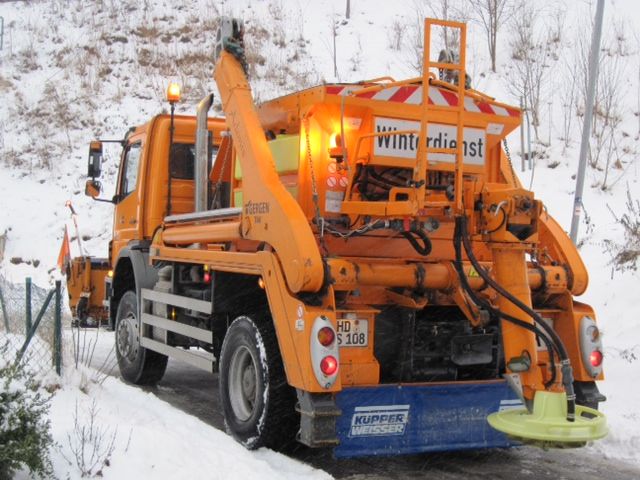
404,419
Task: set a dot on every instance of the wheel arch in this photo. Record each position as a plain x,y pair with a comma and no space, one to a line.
132,272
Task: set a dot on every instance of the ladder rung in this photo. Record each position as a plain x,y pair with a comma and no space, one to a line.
447,66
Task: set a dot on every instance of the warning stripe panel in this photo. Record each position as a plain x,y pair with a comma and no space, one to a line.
412,94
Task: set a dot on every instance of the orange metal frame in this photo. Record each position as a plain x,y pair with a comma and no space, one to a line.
276,238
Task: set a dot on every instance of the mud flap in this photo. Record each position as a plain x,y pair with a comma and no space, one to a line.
404,419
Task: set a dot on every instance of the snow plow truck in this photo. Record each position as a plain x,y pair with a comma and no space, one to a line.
358,262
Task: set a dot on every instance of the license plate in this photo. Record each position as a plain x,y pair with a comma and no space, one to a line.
353,332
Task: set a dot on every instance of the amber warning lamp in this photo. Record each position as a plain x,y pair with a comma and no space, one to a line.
335,147
173,92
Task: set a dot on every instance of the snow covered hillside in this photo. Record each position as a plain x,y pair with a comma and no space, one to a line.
71,71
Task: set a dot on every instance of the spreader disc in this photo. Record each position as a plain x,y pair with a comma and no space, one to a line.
548,424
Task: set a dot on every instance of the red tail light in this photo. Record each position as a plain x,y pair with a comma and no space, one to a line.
329,365
326,336
596,358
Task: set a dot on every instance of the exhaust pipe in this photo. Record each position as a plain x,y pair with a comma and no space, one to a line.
202,155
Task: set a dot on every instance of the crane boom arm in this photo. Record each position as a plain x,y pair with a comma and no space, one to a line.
269,213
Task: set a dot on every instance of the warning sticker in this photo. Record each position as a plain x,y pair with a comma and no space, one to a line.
333,201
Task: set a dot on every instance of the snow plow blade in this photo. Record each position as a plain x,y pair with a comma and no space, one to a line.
403,419
547,426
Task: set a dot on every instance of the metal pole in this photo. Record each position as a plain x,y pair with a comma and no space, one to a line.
584,144
58,329
1,33
171,129
550,123
27,295
521,138
4,312
526,113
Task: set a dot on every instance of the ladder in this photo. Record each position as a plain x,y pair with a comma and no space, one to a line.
421,165
411,200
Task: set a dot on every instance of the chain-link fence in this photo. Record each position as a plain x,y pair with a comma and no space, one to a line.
31,324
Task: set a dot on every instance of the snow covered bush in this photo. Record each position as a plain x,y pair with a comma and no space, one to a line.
625,254
25,435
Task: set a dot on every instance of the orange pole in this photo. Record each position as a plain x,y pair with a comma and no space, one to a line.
510,270
205,233
436,276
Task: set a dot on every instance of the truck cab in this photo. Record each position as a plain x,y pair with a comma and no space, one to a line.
154,180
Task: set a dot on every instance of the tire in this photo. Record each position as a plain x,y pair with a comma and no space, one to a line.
257,402
137,365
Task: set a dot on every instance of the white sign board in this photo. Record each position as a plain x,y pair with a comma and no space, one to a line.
438,136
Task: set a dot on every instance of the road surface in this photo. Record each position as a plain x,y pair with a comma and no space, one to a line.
196,392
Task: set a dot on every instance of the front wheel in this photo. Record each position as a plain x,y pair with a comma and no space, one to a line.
257,402
137,364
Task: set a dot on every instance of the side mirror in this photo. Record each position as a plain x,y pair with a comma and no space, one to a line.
92,188
95,159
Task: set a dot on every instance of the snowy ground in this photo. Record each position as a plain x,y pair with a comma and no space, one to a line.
37,35
141,436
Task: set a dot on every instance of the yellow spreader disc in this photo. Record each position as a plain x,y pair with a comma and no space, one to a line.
547,425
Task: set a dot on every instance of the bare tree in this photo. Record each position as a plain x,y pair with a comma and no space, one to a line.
492,14
605,147
532,53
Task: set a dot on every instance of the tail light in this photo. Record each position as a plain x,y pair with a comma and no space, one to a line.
329,365
324,352
591,346
595,358
326,336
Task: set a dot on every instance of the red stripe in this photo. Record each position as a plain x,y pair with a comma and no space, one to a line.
451,98
513,113
485,108
334,90
367,94
402,94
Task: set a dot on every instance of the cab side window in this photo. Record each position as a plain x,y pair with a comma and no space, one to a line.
183,161
130,170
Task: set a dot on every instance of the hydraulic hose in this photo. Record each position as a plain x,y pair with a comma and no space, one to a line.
483,303
567,370
425,248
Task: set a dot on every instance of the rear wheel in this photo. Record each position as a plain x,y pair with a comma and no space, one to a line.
258,404
137,364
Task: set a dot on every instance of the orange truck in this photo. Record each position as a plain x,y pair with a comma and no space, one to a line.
359,264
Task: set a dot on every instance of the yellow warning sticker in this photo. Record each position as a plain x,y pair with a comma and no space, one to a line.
473,273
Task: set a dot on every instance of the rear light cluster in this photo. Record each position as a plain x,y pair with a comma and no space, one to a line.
591,346
324,352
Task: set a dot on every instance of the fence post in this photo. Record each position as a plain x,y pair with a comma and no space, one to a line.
30,334
57,331
28,304
4,311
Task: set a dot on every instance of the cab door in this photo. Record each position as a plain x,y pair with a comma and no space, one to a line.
126,219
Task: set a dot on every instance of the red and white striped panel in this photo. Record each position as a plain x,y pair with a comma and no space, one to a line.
412,94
